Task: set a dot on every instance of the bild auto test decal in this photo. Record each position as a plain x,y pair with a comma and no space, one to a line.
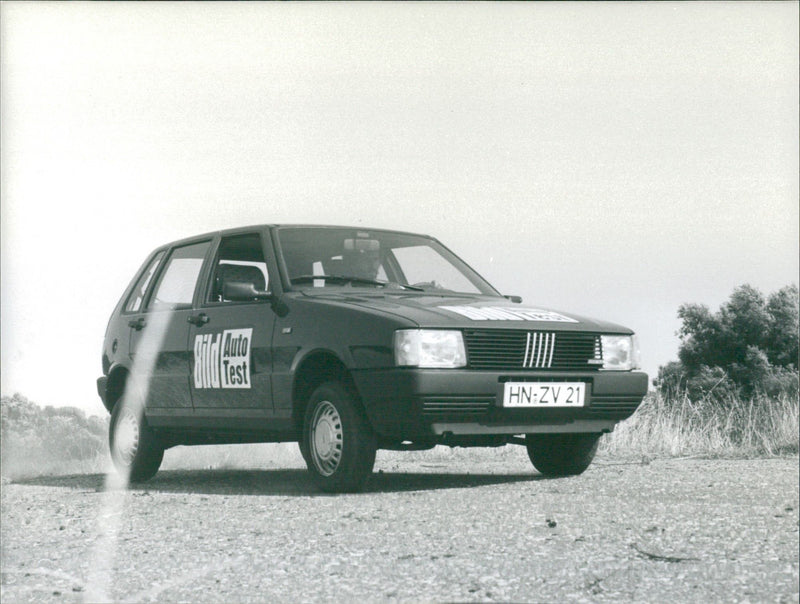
502,313
222,360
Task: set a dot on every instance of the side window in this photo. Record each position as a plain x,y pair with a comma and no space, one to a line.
137,295
178,281
240,258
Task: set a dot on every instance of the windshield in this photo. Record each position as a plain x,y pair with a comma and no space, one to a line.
332,257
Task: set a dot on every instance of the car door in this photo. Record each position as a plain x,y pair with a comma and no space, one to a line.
230,340
159,341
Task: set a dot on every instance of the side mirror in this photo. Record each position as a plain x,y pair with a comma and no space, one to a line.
514,299
241,291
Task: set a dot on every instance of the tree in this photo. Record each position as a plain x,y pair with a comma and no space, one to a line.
783,335
750,345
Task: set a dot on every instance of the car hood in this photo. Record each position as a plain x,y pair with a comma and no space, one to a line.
443,311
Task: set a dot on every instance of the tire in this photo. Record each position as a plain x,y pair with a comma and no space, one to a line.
135,450
304,448
338,442
562,454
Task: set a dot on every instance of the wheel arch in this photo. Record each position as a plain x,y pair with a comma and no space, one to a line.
115,386
315,369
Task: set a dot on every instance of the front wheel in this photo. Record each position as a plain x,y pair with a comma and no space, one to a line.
562,454
338,442
135,450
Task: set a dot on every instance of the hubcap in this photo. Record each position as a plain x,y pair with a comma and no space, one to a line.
126,436
326,438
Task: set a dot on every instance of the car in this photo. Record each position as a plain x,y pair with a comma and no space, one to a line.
347,340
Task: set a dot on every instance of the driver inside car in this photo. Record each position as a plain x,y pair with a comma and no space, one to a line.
361,258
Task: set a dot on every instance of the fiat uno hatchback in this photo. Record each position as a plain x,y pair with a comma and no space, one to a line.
349,340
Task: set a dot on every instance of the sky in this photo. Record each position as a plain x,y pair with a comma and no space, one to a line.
610,160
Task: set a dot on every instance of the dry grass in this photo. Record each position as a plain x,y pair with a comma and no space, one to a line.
661,428
731,427
217,457
24,456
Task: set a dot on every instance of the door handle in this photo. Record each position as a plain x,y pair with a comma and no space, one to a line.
198,320
137,324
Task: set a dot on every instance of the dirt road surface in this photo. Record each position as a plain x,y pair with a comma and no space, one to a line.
476,528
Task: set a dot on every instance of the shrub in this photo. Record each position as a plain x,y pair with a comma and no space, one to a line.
748,347
36,441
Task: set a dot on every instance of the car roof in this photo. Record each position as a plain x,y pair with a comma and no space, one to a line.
255,227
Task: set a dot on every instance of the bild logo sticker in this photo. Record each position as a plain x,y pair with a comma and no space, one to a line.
504,313
222,360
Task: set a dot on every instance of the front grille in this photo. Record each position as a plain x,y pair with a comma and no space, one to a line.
454,404
614,406
508,349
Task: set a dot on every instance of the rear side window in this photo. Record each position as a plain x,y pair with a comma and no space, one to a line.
137,295
179,278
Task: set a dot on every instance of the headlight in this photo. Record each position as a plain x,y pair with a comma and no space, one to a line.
620,353
429,348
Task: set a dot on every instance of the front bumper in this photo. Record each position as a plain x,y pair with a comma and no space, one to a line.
409,404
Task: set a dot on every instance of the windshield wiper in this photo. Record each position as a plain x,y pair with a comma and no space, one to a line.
353,279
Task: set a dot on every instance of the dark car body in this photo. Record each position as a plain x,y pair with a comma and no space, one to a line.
209,368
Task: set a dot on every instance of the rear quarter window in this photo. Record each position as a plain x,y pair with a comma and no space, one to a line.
136,298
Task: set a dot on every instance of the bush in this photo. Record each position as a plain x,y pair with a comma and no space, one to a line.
749,347
36,441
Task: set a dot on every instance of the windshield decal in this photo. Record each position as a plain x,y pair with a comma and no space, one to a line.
503,313
222,360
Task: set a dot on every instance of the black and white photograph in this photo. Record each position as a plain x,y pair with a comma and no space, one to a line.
399,302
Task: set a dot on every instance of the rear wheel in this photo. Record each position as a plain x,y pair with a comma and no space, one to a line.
135,450
562,454
338,442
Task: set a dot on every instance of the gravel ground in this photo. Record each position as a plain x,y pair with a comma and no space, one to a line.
475,528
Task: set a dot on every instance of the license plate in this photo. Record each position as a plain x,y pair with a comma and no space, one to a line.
544,394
